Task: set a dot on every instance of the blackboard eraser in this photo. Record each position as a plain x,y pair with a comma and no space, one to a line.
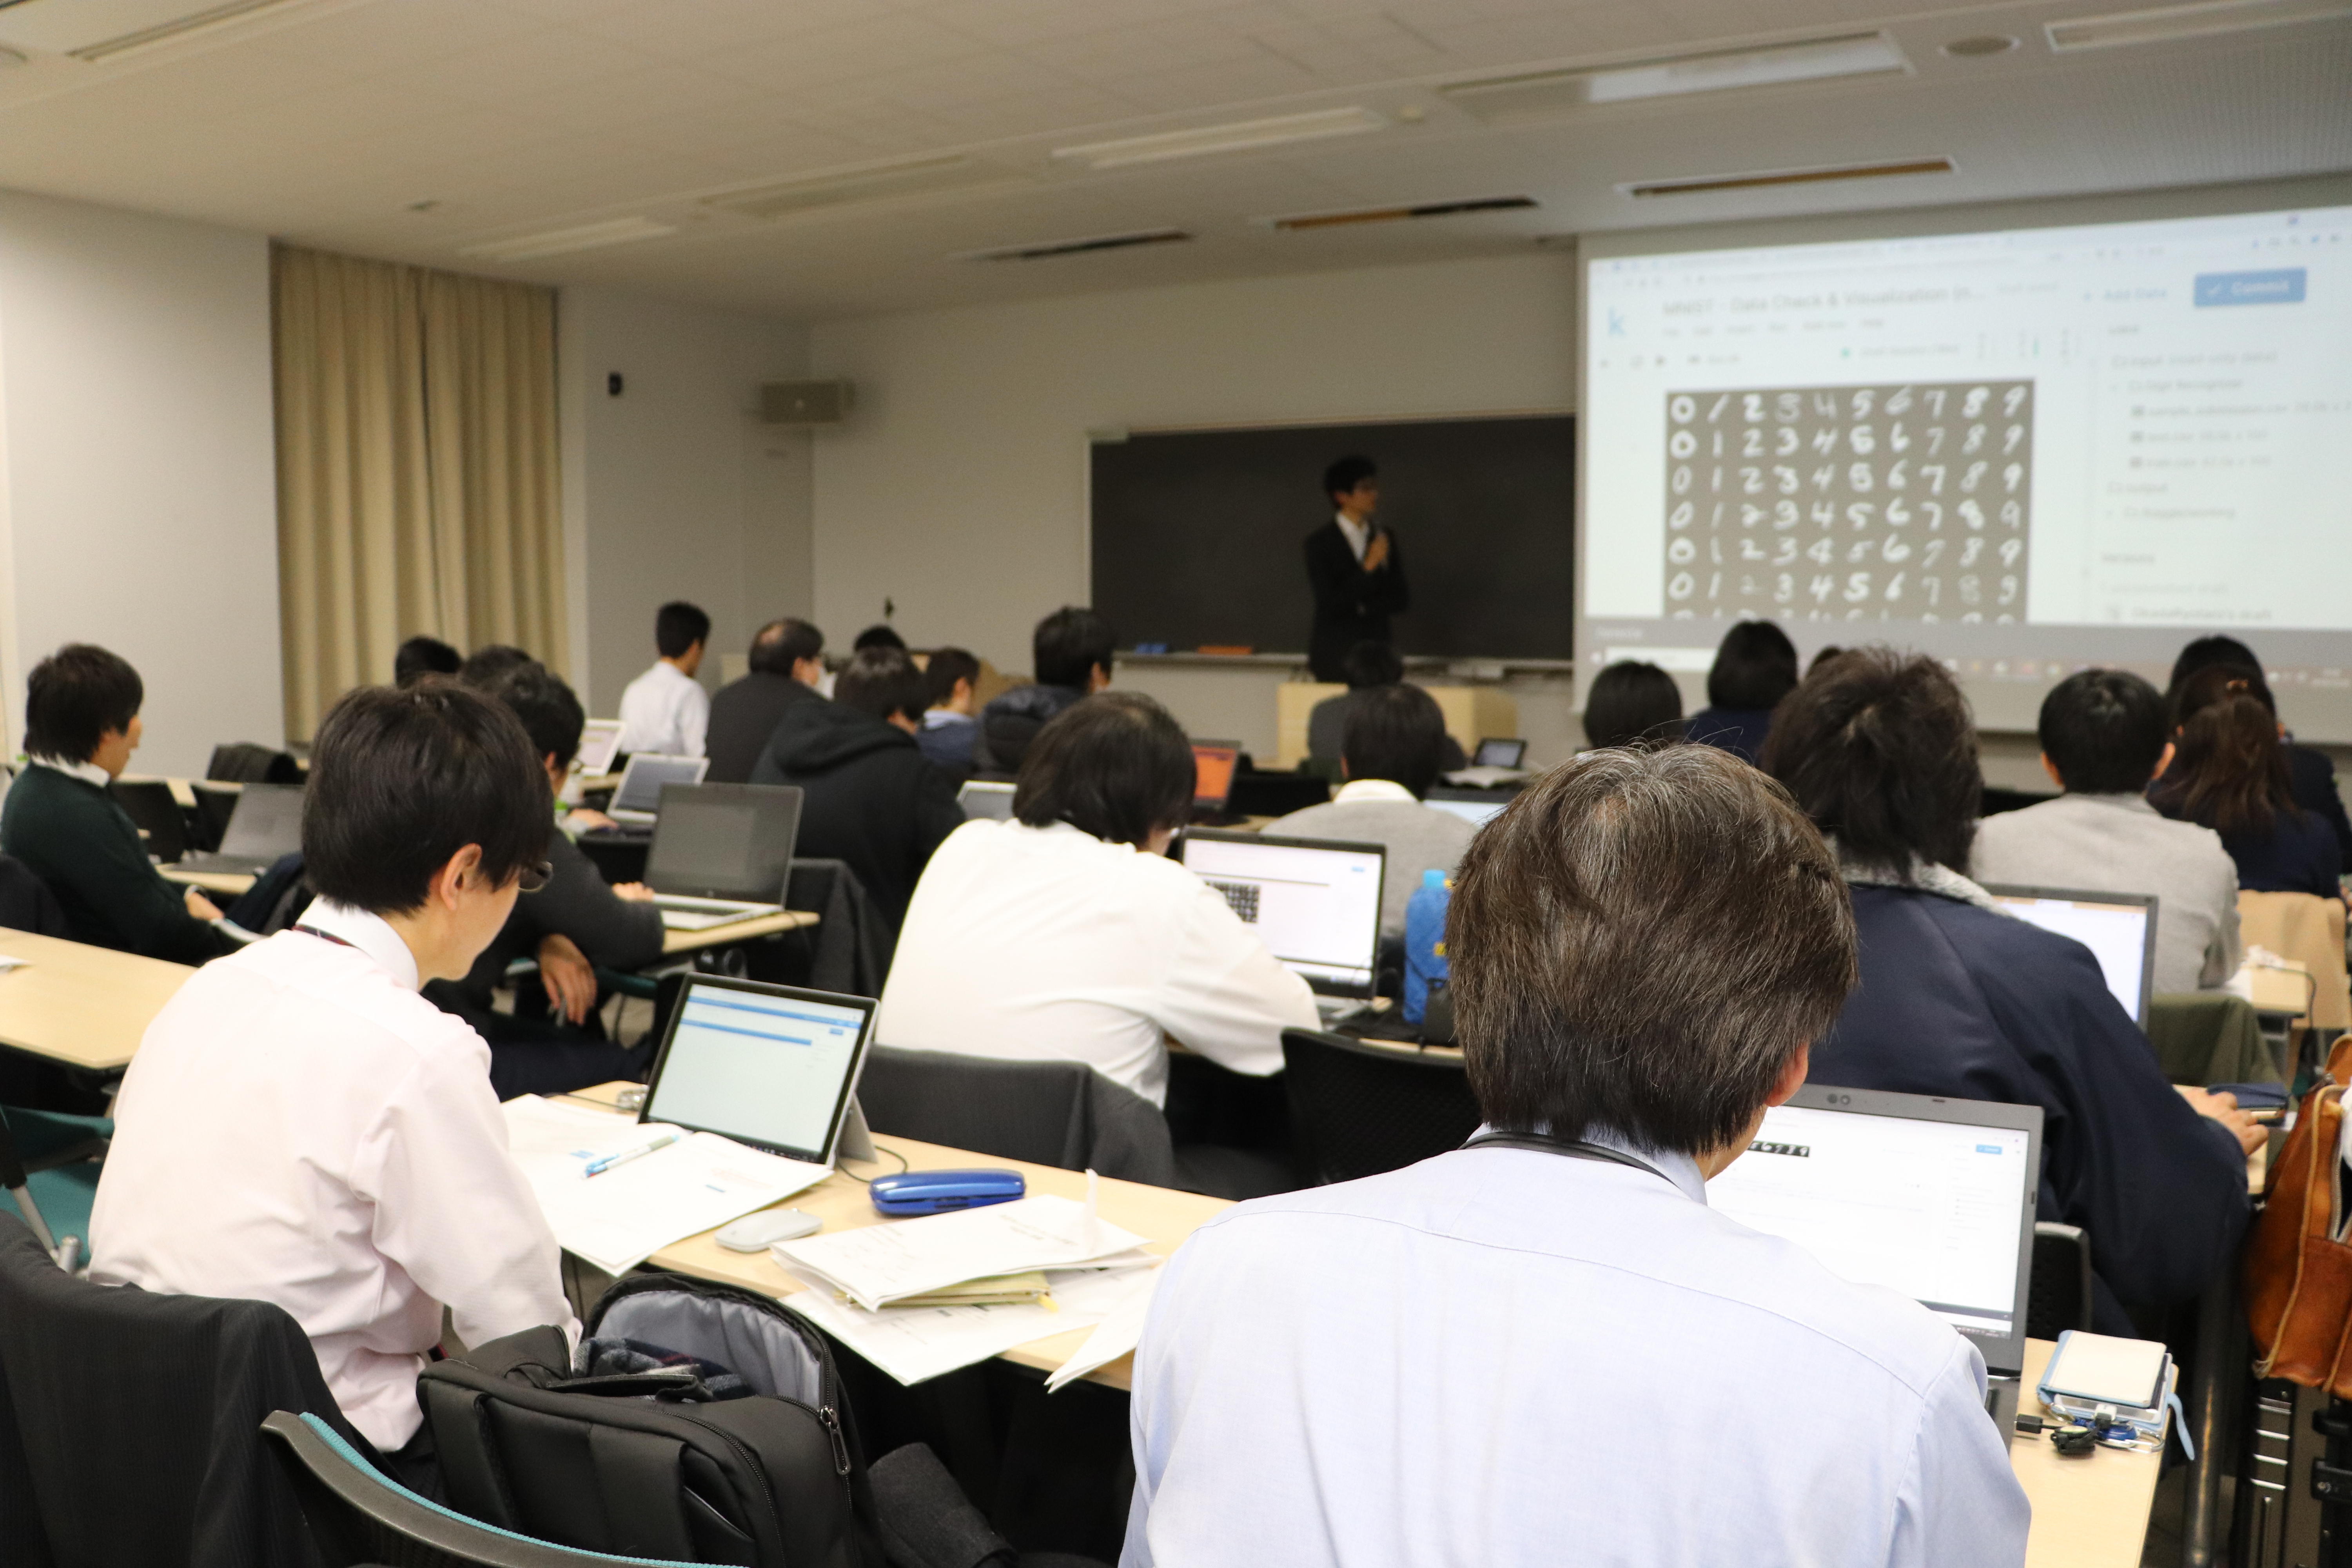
1230,650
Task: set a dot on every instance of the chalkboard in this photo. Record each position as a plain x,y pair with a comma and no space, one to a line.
1199,535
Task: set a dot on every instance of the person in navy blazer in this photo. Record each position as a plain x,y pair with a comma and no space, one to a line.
1355,568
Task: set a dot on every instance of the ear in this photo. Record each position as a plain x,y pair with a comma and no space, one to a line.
454,876
2163,761
2055,777
1792,1076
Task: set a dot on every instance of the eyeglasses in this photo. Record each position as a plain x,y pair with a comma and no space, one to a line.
534,877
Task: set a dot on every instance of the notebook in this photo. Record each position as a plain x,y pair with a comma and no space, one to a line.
985,797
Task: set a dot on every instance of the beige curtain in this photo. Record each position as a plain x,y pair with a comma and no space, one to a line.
416,469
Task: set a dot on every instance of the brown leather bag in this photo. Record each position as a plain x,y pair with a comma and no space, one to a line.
2298,1277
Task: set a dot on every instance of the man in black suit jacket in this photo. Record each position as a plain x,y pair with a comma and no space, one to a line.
1355,569
787,661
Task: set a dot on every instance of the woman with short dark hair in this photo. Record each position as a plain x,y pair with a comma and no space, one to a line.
2230,774
1958,998
1633,703
1067,935
1755,667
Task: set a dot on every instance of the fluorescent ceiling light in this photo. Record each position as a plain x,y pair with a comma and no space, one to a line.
563,241
94,30
1355,215
867,182
1701,184
2196,21
1817,59
1241,136
1041,250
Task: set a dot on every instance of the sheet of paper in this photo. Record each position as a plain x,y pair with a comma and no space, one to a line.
917,1344
7,964
1114,1337
555,1143
876,1265
624,1216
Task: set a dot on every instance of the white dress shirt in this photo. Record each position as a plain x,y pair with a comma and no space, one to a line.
1358,535
1500,1356
1048,944
88,772
301,1127
665,711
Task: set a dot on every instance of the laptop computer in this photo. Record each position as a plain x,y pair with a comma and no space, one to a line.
2119,928
986,797
1494,752
1475,806
1930,1197
600,742
265,827
769,1065
1316,905
721,852
1214,764
637,798
148,805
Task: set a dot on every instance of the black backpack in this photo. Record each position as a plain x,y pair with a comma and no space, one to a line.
703,1423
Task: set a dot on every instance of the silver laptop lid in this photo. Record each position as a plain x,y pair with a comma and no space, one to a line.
1475,806
724,841
641,785
267,823
1930,1197
1316,905
986,797
765,1065
600,742
2119,928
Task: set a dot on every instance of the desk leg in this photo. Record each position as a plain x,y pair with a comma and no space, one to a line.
2221,1360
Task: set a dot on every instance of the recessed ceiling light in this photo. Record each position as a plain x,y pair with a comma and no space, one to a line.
1240,136
1393,214
865,182
563,241
1816,59
2197,21
1045,249
1981,46
1766,178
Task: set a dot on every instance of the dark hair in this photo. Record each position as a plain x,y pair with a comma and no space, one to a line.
1822,656
2104,731
1631,704
879,636
1372,663
947,666
1068,644
2230,774
486,666
678,627
1639,944
1755,667
1395,733
882,682
2204,653
1880,750
401,781
424,656
1342,476
74,697
780,645
1114,765
547,706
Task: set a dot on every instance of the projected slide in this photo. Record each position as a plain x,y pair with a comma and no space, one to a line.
2019,445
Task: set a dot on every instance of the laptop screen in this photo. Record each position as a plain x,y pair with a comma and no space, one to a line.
763,1065
1315,906
267,823
2119,929
1475,807
600,742
1213,775
988,798
641,786
724,841
1930,1197
1499,754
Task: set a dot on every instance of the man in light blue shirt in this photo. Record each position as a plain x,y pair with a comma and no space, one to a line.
1545,1347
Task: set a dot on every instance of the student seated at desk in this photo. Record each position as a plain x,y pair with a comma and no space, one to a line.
82,724
1067,935
1370,666
2229,773
1071,649
665,710
1959,997
2103,736
301,1127
950,726
576,922
1549,1348
1394,743
1633,703
787,660
1755,667
2311,773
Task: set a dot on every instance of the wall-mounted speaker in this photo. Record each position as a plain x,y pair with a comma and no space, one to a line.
805,402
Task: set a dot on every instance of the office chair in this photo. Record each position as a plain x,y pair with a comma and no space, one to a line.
1048,1113
148,803
2059,1296
1358,1109
244,762
52,1195
359,1517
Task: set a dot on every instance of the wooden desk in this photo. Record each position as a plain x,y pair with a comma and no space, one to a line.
2089,1512
232,883
1165,1215
79,1005
677,941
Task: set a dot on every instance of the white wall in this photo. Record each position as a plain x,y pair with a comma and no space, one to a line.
957,488
674,489
138,469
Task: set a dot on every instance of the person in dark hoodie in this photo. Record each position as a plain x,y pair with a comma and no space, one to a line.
869,797
1071,650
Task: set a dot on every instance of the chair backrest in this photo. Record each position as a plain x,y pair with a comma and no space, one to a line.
26,901
1048,1113
152,809
2059,1296
2309,929
244,761
2210,1036
358,1516
1358,1109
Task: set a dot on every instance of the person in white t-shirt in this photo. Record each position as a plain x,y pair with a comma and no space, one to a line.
1067,935
301,1126
665,710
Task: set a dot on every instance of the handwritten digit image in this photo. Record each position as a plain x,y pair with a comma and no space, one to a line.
1851,503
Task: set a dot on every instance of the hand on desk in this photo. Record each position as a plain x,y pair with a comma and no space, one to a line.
587,820
2223,1109
635,892
203,908
570,978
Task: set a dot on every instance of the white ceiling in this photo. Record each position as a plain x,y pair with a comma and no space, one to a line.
323,122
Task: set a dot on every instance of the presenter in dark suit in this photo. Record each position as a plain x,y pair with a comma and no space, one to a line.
1355,568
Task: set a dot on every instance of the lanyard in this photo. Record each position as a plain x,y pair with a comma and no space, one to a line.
1574,1148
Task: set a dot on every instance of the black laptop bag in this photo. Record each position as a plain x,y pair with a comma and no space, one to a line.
700,1423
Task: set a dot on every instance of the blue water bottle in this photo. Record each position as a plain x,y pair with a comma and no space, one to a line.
1425,942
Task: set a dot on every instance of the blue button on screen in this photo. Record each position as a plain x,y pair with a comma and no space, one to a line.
1987,1148
2279,285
